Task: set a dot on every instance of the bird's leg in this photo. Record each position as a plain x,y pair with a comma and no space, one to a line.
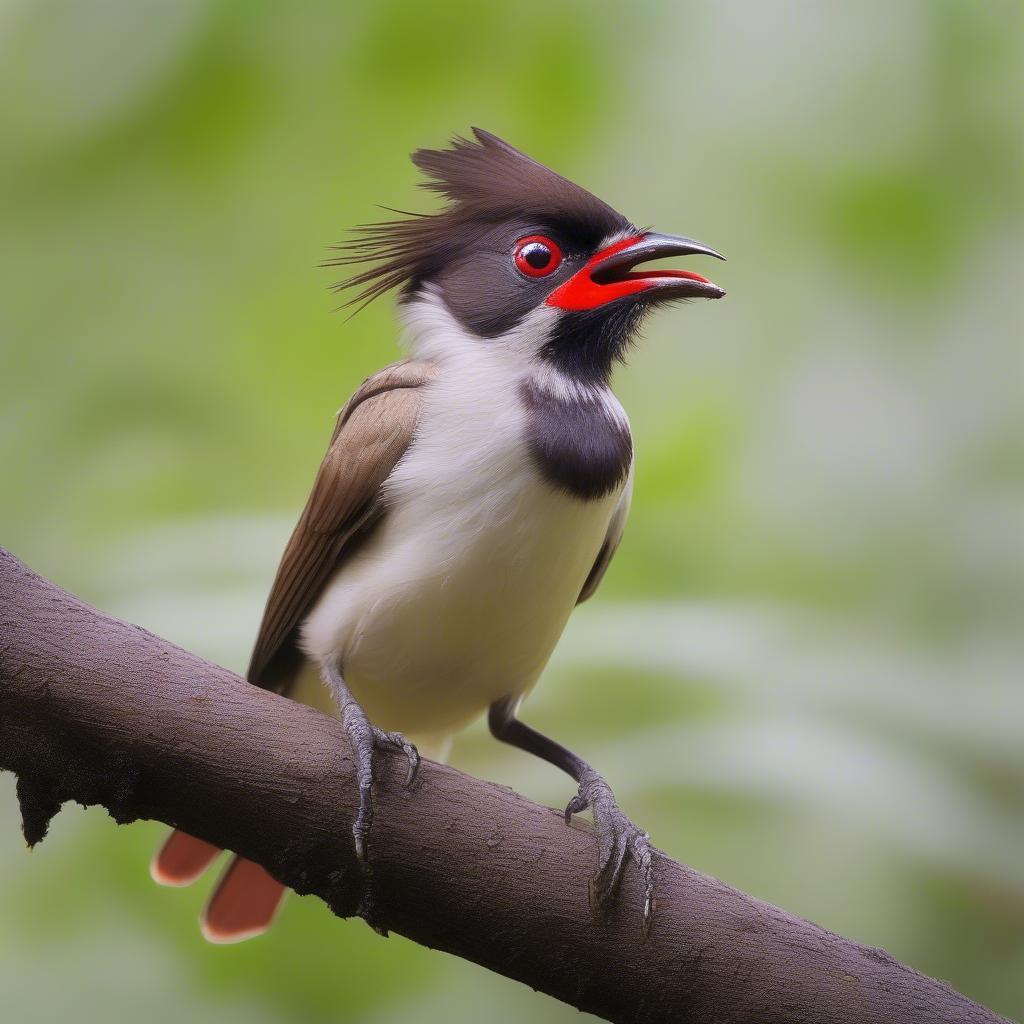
365,738
617,835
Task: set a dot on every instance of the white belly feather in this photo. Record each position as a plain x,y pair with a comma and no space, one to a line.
461,593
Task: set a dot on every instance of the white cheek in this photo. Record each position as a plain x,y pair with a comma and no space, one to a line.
431,332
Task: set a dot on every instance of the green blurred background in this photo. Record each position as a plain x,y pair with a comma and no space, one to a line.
804,670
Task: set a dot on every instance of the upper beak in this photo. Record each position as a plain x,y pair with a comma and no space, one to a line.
609,274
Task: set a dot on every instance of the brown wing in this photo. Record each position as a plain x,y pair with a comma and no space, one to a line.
611,541
372,433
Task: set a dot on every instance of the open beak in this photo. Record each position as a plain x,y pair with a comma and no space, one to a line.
609,274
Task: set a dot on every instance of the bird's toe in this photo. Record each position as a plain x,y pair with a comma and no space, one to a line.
618,839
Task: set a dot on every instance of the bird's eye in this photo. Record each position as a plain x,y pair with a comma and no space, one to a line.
537,256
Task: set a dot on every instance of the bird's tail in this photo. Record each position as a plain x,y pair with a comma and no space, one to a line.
182,859
245,901
243,905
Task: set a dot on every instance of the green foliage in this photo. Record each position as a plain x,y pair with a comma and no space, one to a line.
803,668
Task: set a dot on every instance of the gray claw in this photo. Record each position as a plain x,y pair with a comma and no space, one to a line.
366,738
617,838
396,741
361,826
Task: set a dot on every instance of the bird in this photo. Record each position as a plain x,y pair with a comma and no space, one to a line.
471,496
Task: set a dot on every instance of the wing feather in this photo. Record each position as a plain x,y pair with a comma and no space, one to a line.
372,433
611,541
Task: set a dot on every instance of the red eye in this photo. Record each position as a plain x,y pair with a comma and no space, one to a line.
537,256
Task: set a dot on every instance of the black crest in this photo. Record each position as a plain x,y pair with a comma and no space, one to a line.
485,182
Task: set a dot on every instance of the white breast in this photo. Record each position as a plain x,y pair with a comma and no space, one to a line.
460,595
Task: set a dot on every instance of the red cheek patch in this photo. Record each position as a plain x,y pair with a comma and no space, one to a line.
581,291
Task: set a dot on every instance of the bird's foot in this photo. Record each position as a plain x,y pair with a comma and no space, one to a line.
617,837
367,738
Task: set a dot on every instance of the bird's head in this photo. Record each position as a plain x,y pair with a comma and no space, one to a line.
520,246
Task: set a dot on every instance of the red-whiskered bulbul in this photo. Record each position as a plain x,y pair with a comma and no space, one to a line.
471,495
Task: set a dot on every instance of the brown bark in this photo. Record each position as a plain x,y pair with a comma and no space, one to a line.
95,710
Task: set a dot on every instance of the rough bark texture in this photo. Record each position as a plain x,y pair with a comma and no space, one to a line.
98,711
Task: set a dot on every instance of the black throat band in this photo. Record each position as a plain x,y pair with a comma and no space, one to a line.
578,443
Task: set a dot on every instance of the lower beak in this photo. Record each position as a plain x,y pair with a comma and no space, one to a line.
610,274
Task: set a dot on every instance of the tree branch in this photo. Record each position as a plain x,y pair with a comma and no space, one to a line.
98,711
